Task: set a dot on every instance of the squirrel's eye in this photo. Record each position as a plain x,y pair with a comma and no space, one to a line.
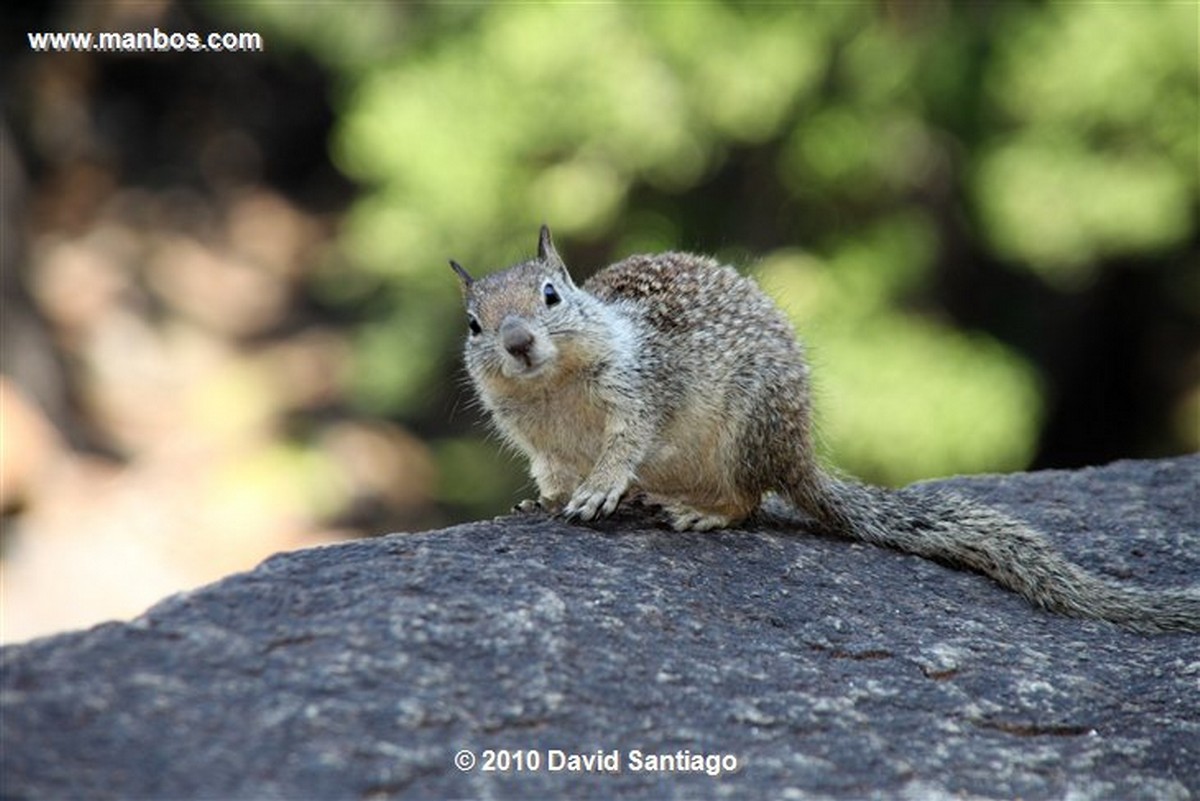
474,325
551,294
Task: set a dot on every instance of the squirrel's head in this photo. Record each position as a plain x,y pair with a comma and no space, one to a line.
520,317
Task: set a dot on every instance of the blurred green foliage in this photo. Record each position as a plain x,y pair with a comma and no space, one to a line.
1056,135
1099,158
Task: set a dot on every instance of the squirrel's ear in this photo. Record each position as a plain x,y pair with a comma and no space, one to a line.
546,251
463,275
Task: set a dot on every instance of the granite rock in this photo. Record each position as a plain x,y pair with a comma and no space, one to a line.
821,667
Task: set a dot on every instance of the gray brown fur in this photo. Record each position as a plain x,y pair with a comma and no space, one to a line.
675,378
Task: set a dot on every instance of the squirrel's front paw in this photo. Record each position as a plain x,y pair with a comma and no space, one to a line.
533,506
588,503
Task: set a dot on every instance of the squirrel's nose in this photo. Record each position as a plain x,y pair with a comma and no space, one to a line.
516,337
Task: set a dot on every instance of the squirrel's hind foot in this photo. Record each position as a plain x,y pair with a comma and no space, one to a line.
685,518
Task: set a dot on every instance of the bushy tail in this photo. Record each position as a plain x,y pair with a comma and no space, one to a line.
950,528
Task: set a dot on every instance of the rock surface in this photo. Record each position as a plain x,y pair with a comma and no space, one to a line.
826,669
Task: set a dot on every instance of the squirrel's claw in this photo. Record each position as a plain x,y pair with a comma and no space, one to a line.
590,504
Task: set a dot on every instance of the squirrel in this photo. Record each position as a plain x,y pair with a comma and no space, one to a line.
674,378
